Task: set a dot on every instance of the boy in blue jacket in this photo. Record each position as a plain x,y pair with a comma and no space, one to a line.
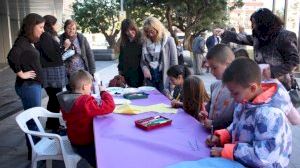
259,135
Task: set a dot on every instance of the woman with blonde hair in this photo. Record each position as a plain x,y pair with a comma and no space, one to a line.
158,55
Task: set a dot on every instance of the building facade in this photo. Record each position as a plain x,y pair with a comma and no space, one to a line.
12,13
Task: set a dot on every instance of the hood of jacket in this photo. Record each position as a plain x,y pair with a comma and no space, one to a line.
67,99
269,92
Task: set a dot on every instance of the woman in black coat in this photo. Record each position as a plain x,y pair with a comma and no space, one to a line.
24,60
130,54
272,45
54,72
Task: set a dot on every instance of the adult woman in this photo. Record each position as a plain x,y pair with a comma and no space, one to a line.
71,38
130,54
272,44
159,53
54,72
24,60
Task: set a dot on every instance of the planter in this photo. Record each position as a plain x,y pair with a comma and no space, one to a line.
104,54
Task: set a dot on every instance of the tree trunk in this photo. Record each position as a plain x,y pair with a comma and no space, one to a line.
111,41
187,43
170,22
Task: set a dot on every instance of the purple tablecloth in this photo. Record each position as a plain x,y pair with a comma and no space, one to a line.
120,144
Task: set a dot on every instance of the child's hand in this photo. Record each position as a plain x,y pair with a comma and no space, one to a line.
202,115
212,141
175,103
207,123
216,151
167,93
102,88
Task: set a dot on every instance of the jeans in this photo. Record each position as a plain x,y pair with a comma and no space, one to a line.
31,96
156,81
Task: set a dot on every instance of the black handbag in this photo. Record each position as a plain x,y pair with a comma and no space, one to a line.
295,93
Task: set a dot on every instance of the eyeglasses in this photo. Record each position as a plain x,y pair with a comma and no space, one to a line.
151,31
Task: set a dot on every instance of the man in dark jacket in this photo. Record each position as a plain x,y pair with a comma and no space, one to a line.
212,41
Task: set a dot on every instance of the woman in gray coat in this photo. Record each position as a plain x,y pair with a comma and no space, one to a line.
71,38
158,55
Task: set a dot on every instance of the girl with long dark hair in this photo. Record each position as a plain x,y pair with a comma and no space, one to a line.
130,54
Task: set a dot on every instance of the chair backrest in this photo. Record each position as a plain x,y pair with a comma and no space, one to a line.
58,147
33,114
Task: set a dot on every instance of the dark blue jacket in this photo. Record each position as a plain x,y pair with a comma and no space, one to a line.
210,42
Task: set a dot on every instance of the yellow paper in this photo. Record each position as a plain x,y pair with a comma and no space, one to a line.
133,109
126,109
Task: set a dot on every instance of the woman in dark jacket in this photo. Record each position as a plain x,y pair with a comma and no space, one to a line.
71,38
272,45
54,72
130,54
24,60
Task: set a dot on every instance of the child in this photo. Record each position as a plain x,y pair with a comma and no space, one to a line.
194,95
221,105
79,108
259,135
177,74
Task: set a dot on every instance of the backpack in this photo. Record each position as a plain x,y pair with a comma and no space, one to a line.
117,81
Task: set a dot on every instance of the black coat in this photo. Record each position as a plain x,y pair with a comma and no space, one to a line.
50,50
23,56
129,63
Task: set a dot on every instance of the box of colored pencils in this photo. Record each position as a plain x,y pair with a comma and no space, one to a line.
135,95
151,123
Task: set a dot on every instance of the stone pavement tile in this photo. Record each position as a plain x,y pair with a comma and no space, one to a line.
291,166
107,73
295,152
208,79
296,130
14,161
11,135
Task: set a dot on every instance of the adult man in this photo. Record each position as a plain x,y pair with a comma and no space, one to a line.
212,40
198,49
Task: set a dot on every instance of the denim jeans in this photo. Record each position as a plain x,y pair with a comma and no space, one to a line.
156,81
31,96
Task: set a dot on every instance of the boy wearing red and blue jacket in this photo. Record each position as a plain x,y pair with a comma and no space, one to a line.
79,109
259,135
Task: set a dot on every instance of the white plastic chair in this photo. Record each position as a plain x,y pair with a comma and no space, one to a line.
51,146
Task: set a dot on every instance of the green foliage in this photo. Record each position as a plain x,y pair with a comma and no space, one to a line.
189,15
98,16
